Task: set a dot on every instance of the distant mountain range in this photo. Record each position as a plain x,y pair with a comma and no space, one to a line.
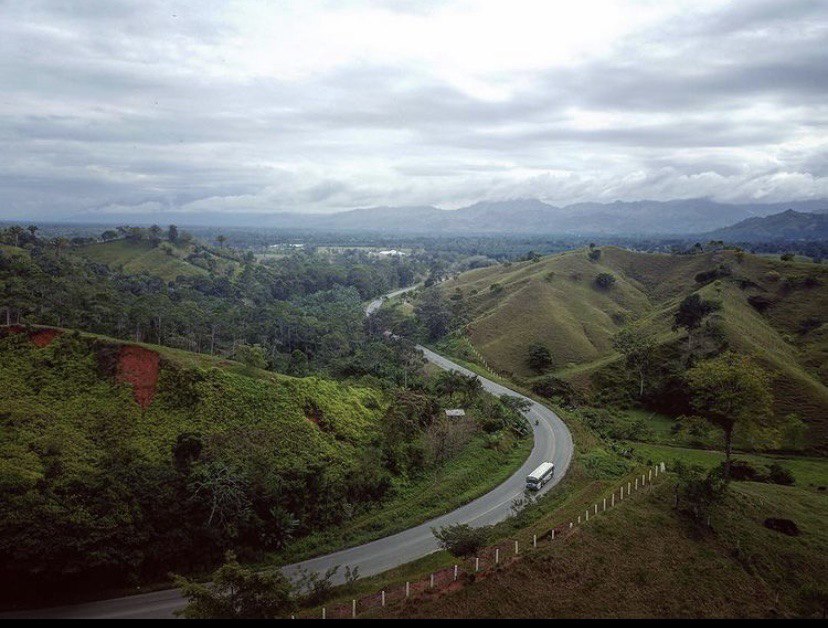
519,216
787,225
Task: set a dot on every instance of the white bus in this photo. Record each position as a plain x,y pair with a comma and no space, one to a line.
540,476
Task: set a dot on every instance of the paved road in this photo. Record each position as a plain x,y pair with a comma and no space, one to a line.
376,304
552,442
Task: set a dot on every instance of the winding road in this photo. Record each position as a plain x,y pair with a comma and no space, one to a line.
553,442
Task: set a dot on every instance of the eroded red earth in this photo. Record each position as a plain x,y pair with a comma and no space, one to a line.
139,368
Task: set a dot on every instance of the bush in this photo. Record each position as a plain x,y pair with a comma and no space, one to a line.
780,475
605,281
237,593
461,539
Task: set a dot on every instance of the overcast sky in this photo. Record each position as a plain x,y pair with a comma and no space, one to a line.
110,106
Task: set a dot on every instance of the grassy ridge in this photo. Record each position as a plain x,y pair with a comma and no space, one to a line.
771,309
134,258
643,560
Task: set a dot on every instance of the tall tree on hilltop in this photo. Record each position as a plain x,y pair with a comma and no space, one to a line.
691,313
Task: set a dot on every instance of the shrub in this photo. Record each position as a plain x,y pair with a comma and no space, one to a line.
461,539
780,475
605,281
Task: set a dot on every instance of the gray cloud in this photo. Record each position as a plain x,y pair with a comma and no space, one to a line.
191,106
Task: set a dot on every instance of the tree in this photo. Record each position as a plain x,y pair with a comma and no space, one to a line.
605,281
251,355
221,239
237,593
461,539
696,492
15,231
730,390
540,357
691,313
172,234
594,254
33,230
637,348
155,233
433,313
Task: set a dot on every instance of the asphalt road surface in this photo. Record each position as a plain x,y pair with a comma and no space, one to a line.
553,442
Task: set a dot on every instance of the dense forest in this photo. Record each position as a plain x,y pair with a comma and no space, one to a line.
166,400
300,311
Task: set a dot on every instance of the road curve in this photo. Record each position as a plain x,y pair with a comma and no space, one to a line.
553,442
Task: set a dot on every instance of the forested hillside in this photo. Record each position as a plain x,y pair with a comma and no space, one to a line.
122,462
302,310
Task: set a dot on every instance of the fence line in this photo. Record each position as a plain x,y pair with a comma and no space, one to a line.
487,560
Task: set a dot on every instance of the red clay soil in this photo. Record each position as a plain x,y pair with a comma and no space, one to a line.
42,337
139,367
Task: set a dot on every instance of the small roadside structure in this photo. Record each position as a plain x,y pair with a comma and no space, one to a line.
455,413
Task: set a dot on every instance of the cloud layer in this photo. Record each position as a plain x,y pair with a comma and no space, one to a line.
314,106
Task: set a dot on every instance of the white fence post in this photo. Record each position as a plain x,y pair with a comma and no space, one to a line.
535,539
497,555
629,488
407,589
586,515
353,609
650,475
663,468
636,483
612,501
432,581
383,598
455,572
323,612
553,534
596,509
605,504
516,548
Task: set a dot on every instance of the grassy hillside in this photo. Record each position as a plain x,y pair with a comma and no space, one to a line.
643,559
771,309
166,261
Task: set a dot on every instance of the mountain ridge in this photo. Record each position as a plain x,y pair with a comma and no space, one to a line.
515,216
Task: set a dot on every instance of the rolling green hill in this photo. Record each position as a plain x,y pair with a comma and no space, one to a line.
166,261
771,309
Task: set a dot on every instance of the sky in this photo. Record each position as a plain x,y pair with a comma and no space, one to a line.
113,106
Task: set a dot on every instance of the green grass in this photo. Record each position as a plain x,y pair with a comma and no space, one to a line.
642,559
809,472
132,258
555,302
